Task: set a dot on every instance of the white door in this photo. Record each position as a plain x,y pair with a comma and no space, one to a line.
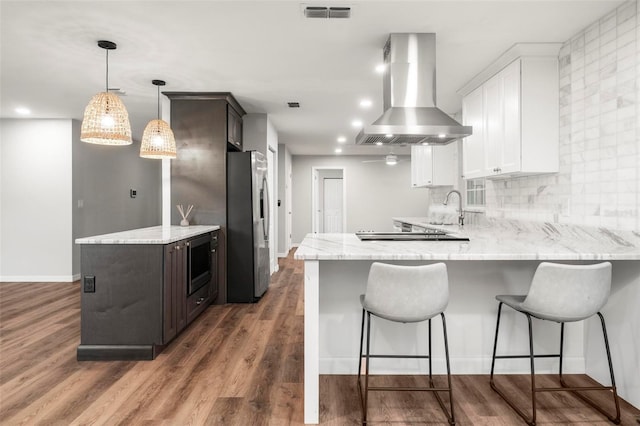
288,204
332,202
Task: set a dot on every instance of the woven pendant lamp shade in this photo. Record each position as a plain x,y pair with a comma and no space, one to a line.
106,121
158,141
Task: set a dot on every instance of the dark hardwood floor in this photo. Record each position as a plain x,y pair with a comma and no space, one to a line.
238,364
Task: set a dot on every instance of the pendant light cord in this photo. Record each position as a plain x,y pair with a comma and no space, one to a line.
158,102
107,73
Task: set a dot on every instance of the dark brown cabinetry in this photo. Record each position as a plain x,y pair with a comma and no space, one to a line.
175,295
206,126
141,297
234,128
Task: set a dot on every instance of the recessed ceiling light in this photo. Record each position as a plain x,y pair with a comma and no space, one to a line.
380,68
379,143
356,123
365,103
342,139
442,135
23,111
389,135
338,150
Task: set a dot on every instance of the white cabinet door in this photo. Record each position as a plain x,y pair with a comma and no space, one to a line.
433,165
421,166
494,124
515,121
509,153
473,152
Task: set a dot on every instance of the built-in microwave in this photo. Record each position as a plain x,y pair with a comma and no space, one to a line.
199,263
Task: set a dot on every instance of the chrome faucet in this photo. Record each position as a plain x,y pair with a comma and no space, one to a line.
446,200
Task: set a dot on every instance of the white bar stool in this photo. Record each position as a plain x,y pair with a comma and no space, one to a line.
560,293
405,294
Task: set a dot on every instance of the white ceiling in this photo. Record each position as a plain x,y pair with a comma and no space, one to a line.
264,52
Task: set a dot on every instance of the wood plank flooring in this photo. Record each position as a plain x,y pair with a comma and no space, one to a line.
238,364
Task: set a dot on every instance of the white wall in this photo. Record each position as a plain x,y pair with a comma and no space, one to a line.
56,189
36,200
375,192
284,209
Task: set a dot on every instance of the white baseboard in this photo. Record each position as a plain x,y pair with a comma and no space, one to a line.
283,254
39,278
573,365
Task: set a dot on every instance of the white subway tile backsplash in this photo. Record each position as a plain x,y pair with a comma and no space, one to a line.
599,179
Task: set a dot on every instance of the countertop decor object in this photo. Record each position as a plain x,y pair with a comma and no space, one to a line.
184,221
157,140
106,120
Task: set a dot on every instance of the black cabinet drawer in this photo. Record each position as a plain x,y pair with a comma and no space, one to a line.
197,302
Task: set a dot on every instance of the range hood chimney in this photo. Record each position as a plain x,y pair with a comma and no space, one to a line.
409,97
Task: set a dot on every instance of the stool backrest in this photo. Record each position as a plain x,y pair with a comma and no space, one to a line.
407,293
562,293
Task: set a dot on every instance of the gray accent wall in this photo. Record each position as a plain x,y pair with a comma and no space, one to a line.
102,179
375,192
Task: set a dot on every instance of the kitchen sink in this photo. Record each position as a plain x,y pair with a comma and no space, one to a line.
429,235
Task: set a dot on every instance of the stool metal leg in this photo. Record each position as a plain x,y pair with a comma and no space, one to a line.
531,421
452,419
364,394
612,388
574,389
364,414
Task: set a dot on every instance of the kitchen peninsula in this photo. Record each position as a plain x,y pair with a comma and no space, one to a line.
500,258
141,288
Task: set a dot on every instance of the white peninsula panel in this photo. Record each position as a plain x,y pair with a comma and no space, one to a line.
498,259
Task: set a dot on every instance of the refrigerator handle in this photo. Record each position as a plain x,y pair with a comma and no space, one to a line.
264,208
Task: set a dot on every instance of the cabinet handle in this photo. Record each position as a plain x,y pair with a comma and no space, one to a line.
188,244
213,251
178,247
199,301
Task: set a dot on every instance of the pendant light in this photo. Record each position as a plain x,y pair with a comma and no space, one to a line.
158,140
106,121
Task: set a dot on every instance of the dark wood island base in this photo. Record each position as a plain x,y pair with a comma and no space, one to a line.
137,297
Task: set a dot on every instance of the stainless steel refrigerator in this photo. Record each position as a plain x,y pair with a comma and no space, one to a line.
247,227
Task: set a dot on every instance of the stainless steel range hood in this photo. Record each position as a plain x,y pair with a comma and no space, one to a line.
409,97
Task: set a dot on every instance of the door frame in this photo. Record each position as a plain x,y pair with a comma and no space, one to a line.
315,194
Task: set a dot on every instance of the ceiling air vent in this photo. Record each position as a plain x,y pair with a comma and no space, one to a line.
339,12
293,104
327,12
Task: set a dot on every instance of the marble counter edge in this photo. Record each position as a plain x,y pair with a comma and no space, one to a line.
476,256
150,235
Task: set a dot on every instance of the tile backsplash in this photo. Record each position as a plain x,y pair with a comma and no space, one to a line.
598,182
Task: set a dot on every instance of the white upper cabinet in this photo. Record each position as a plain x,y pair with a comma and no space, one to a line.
473,157
433,165
513,108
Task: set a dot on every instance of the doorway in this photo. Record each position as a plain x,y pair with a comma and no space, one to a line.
328,200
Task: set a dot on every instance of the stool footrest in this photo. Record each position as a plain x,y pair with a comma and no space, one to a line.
390,388
397,356
527,356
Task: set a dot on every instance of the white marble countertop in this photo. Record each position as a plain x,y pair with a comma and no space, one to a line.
152,235
496,240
